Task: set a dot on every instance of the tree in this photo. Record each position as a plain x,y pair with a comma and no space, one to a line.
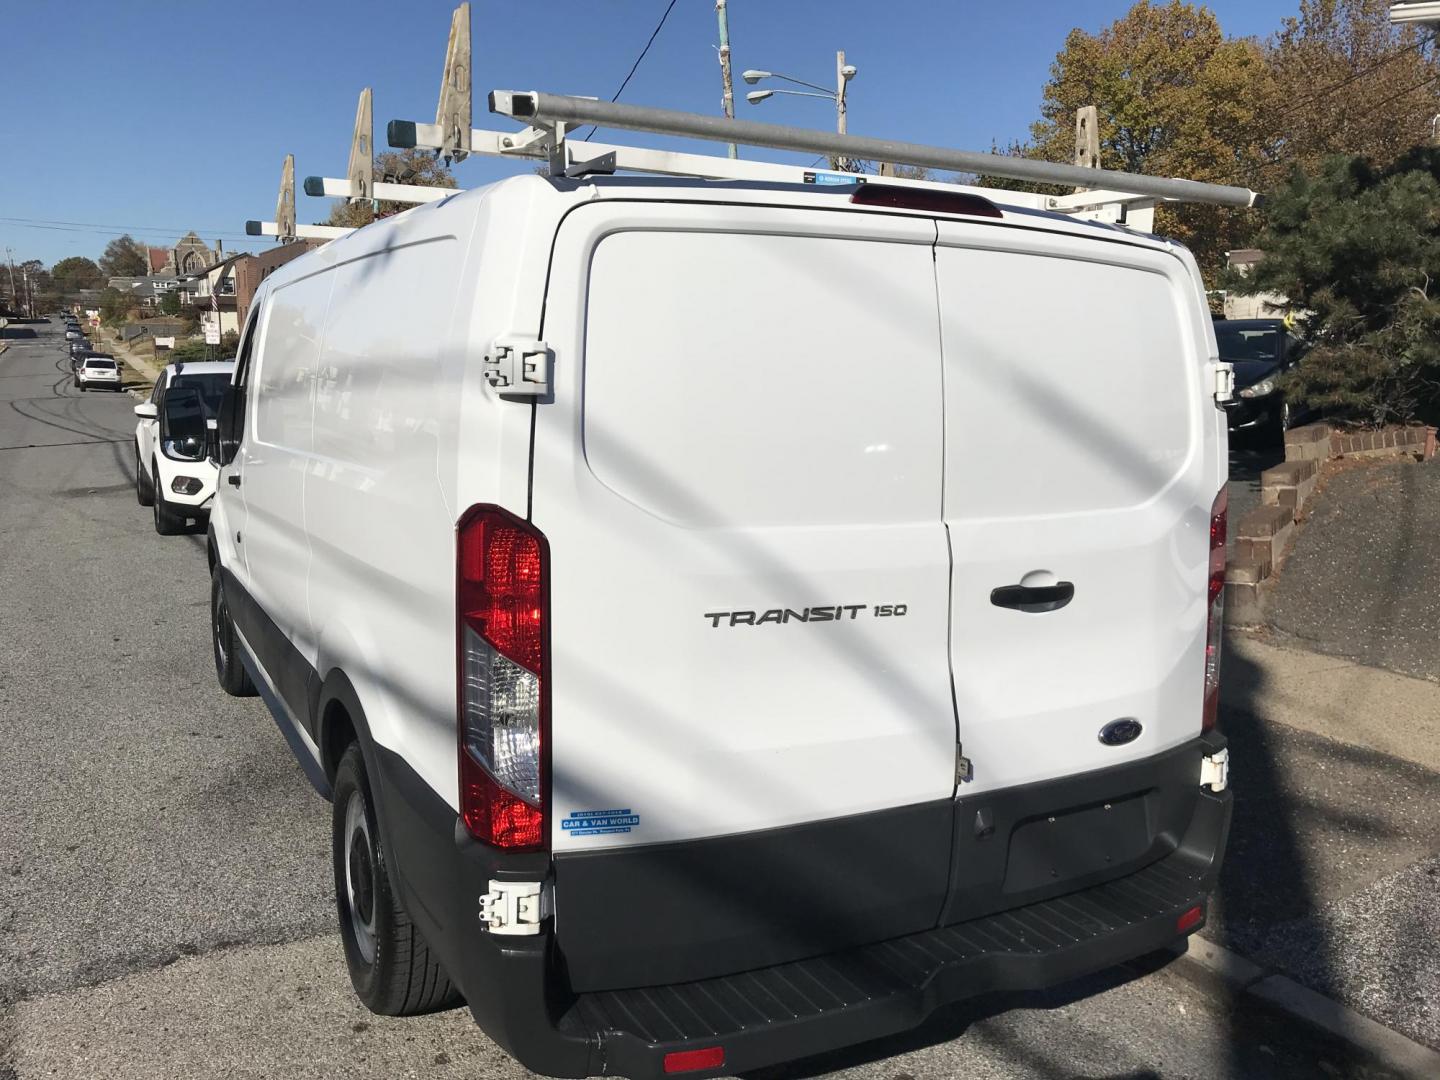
414,166
117,305
124,257
1346,81
1356,249
1175,98
75,273
170,303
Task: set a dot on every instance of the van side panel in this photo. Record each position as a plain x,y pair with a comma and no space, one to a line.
272,467
380,530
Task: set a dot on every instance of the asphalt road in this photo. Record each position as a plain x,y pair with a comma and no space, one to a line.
165,909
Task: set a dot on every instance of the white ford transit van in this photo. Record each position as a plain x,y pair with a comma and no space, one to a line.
732,620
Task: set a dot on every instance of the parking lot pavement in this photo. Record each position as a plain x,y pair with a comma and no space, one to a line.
165,905
1364,579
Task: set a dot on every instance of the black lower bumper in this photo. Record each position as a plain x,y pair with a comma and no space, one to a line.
519,991
809,1006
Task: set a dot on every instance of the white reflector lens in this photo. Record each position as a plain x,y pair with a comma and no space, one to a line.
502,718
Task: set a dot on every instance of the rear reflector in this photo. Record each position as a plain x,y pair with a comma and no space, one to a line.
917,198
1191,919
711,1057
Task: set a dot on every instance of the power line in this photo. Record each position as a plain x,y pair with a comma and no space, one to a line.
1407,90
113,225
119,231
1419,43
636,66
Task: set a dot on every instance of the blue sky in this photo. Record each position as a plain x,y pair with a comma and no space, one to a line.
155,118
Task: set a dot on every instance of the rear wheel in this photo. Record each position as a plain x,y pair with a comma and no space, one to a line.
393,970
144,485
168,520
234,679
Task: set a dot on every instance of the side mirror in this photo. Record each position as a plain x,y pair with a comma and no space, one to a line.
230,423
145,411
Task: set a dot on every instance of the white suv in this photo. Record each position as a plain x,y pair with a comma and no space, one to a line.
733,620
97,369
174,473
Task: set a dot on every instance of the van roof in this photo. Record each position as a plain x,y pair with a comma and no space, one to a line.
544,200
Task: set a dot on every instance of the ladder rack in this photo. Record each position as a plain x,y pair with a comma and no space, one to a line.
550,119
550,114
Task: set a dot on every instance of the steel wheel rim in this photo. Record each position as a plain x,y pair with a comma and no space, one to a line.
359,856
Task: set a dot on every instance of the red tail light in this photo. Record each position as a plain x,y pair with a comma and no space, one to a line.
1215,620
500,594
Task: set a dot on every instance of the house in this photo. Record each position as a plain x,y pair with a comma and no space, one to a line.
253,269
1259,306
142,287
212,291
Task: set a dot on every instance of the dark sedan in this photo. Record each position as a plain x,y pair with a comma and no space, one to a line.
1261,350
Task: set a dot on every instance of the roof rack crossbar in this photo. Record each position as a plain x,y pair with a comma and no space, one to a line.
541,110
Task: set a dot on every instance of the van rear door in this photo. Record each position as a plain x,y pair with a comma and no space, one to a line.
1080,468
753,736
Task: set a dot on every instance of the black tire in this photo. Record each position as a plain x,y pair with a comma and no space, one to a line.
144,484
168,520
234,679
393,970
82,387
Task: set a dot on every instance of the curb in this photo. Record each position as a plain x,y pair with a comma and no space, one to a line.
1216,967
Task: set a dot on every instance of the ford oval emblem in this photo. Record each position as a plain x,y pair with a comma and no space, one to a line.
1120,732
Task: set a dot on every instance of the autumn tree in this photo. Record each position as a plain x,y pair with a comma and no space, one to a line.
1348,82
414,166
75,273
1175,98
124,257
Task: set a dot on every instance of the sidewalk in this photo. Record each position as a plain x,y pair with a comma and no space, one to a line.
1334,864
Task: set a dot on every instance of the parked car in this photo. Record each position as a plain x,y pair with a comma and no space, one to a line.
1261,350
693,697
174,472
98,370
72,332
79,347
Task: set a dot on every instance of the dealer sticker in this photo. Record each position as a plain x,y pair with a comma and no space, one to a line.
599,822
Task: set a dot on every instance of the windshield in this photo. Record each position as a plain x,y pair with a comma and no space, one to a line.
211,387
1248,342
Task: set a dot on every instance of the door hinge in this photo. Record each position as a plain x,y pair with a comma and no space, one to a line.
518,367
1215,770
514,907
1224,381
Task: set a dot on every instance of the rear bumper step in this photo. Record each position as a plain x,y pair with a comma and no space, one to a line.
809,1006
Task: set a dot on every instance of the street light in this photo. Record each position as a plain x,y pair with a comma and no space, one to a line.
843,74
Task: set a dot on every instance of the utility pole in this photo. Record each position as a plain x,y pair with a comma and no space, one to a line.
840,80
10,258
727,99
